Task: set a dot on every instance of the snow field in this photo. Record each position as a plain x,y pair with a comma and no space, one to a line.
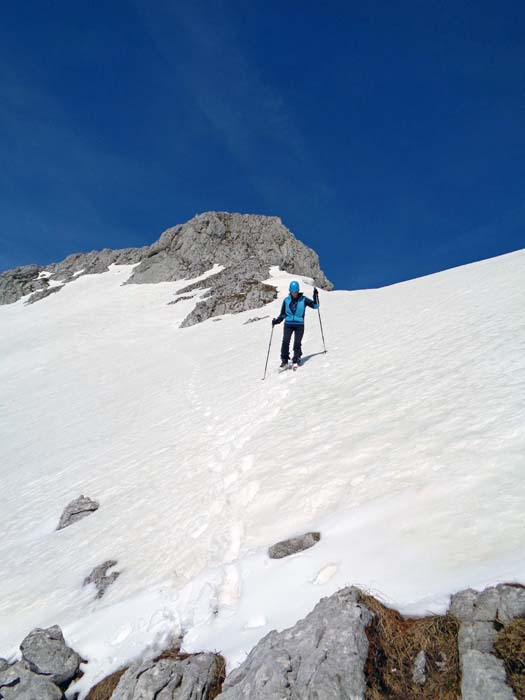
404,446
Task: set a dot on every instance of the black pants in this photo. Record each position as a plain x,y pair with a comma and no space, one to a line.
285,347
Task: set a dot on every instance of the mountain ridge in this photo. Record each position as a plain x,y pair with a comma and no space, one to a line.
244,245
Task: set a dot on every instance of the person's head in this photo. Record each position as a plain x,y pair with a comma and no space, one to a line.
294,289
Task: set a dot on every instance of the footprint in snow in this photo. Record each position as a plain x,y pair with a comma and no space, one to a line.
325,574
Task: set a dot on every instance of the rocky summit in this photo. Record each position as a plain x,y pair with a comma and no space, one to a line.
245,246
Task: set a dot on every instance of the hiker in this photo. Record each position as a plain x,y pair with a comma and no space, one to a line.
292,313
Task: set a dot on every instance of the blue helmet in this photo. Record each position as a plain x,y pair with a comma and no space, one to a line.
294,286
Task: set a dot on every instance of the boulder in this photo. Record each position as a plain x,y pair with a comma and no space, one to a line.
19,683
322,657
45,651
293,545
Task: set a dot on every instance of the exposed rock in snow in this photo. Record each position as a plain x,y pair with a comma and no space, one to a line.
76,510
254,319
100,578
235,289
322,656
44,651
293,545
16,283
43,293
193,678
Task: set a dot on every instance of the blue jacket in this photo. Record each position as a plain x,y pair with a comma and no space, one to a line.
292,310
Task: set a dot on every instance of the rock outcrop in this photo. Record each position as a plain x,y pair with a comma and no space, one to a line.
244,245
196,677
482,673
322,656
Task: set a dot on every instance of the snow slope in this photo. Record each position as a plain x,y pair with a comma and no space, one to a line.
404,446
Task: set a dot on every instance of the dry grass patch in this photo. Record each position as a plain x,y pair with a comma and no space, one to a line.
395,642
104,689
510,647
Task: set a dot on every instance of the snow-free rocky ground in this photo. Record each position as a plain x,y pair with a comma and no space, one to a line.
404,446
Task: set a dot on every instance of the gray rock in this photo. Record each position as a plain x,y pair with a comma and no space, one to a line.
462,605
419,675
44,651
482,674
193,678
322,657
501,603
3,665
226,239
245,245
76,510
483,677
511,602
176,301
19,683
476,635
100,578
16,283
43,293
254,319
293,545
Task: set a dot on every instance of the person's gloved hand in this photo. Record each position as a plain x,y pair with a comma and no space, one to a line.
274,321
316,296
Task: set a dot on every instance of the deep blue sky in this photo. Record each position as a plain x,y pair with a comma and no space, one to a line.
389,136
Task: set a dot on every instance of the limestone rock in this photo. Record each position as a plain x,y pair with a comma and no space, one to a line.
293,545
245,245
322,657
44,651
193,678
99,577
419,675
482,674
16,283
19,683
76,510
483,677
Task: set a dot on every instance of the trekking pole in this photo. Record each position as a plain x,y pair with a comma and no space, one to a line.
268,355
321,324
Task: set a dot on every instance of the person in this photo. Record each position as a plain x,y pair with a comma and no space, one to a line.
292,313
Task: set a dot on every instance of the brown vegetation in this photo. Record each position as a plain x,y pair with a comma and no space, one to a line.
510,647
395,642
104,689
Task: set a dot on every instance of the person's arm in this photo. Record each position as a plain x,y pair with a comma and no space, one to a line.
312,304
281,316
